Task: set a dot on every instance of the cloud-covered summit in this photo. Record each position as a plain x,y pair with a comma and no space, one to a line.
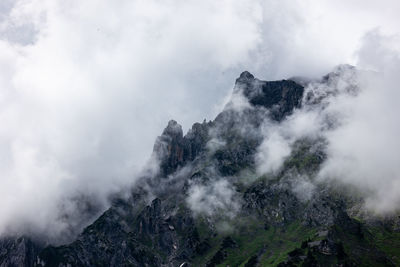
87,87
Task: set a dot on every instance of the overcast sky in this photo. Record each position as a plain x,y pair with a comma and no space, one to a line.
86,86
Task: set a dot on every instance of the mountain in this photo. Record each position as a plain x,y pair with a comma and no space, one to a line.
207,204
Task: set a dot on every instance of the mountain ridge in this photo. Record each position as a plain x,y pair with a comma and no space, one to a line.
207,205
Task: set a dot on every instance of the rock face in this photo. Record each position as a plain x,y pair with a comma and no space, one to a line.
280,97
169,148
175,150
18,252
178,217
123,236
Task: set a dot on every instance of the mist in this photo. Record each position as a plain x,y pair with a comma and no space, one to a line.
85,88
364,150
356,112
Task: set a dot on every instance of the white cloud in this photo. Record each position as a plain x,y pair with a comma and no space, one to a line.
217,199
303,188
273,150
357,113
365,150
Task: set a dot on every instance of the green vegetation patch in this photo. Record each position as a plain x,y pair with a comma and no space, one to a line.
251,238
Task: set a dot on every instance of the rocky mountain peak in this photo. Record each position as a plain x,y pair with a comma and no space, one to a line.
245,76
173,129
173,149
280,97
245,81
168,148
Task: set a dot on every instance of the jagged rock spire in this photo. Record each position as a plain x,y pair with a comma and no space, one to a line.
245,75
173,149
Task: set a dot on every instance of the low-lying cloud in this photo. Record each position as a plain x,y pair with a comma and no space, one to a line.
215,199
356,112
365,149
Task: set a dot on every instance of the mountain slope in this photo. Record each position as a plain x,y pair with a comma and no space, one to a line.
208,205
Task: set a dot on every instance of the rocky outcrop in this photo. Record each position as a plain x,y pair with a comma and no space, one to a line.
150,235
169,148
279,97
174,150
20,251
